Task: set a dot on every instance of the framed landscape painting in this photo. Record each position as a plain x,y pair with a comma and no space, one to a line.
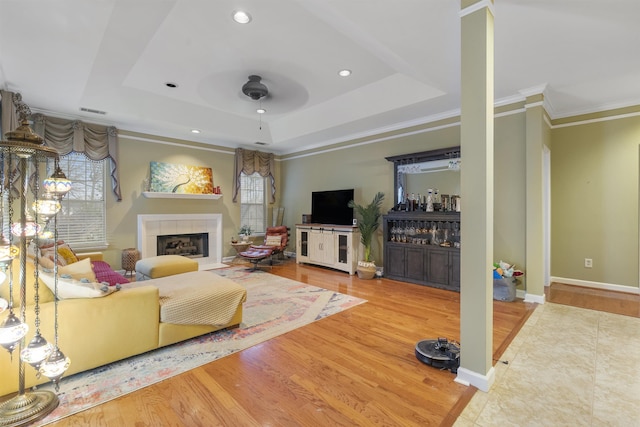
180,179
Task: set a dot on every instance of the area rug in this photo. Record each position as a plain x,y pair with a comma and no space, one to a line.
274,306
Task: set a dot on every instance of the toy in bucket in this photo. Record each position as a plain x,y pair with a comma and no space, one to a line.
505,278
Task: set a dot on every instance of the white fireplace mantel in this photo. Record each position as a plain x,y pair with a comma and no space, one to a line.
152,226
158,195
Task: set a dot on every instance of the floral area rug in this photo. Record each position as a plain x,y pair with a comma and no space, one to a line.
274,306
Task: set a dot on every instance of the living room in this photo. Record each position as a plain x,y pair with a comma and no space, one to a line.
593,184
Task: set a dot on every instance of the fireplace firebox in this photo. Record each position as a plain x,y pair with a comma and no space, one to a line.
195,245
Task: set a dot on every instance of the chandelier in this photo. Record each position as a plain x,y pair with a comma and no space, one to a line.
22,157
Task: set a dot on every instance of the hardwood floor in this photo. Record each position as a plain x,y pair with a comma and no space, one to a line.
356,367
595,299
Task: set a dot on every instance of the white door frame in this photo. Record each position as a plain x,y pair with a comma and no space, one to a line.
546,220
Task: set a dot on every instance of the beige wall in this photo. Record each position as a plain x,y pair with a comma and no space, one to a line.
509,190
135,155
365,169
594,201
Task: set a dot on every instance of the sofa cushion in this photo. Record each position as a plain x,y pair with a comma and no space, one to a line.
44,294
71,288
65,253
78,270
104,273
164,265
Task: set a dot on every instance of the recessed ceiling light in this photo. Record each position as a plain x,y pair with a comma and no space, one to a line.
241,17
344,73
171,85
195,131
261,110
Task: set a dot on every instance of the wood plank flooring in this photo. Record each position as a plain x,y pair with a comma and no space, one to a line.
353,368
627,304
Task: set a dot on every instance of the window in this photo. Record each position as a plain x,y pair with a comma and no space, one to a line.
82,219
252,202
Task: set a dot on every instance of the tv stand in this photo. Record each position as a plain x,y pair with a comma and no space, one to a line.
334,246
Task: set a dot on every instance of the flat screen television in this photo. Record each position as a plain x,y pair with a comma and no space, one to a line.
330,207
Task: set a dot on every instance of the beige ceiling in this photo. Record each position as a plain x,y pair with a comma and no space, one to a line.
116,56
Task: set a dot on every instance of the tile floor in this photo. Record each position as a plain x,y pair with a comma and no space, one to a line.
567,366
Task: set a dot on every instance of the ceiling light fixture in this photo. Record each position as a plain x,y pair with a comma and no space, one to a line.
241,17
256,90
195,131
344,73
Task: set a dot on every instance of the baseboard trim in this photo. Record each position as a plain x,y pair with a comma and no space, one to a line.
597,285
479,381
539,299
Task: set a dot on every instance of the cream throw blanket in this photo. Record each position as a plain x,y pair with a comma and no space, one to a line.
196,298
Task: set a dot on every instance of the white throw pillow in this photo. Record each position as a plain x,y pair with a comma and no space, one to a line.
72,288
273,241
78,270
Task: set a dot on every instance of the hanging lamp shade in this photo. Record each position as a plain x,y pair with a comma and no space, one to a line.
55,366
31,228
37,351
12,331
47,206
57,184
7,251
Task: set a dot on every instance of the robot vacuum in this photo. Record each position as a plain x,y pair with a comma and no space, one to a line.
439,353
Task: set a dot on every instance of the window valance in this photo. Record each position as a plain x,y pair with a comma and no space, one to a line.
97,142
250,162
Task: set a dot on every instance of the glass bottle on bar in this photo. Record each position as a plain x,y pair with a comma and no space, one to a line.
429,203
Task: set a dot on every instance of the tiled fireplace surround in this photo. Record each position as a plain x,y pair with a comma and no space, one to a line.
152,226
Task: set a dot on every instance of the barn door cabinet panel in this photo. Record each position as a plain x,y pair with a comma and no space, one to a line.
328,245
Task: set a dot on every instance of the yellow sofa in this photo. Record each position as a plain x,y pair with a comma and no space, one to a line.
96,331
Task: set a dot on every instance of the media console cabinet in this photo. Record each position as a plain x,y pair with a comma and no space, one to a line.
334,246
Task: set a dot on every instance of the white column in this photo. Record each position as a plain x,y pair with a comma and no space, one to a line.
476,185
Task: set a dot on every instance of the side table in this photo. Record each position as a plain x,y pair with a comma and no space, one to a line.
129,258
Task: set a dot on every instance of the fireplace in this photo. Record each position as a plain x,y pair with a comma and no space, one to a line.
202,231
194,245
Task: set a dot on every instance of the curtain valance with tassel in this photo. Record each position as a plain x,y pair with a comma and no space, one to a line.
97,142
250,162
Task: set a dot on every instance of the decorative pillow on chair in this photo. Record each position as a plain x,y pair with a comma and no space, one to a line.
273,241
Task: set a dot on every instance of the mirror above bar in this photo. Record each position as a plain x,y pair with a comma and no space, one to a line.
416,173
